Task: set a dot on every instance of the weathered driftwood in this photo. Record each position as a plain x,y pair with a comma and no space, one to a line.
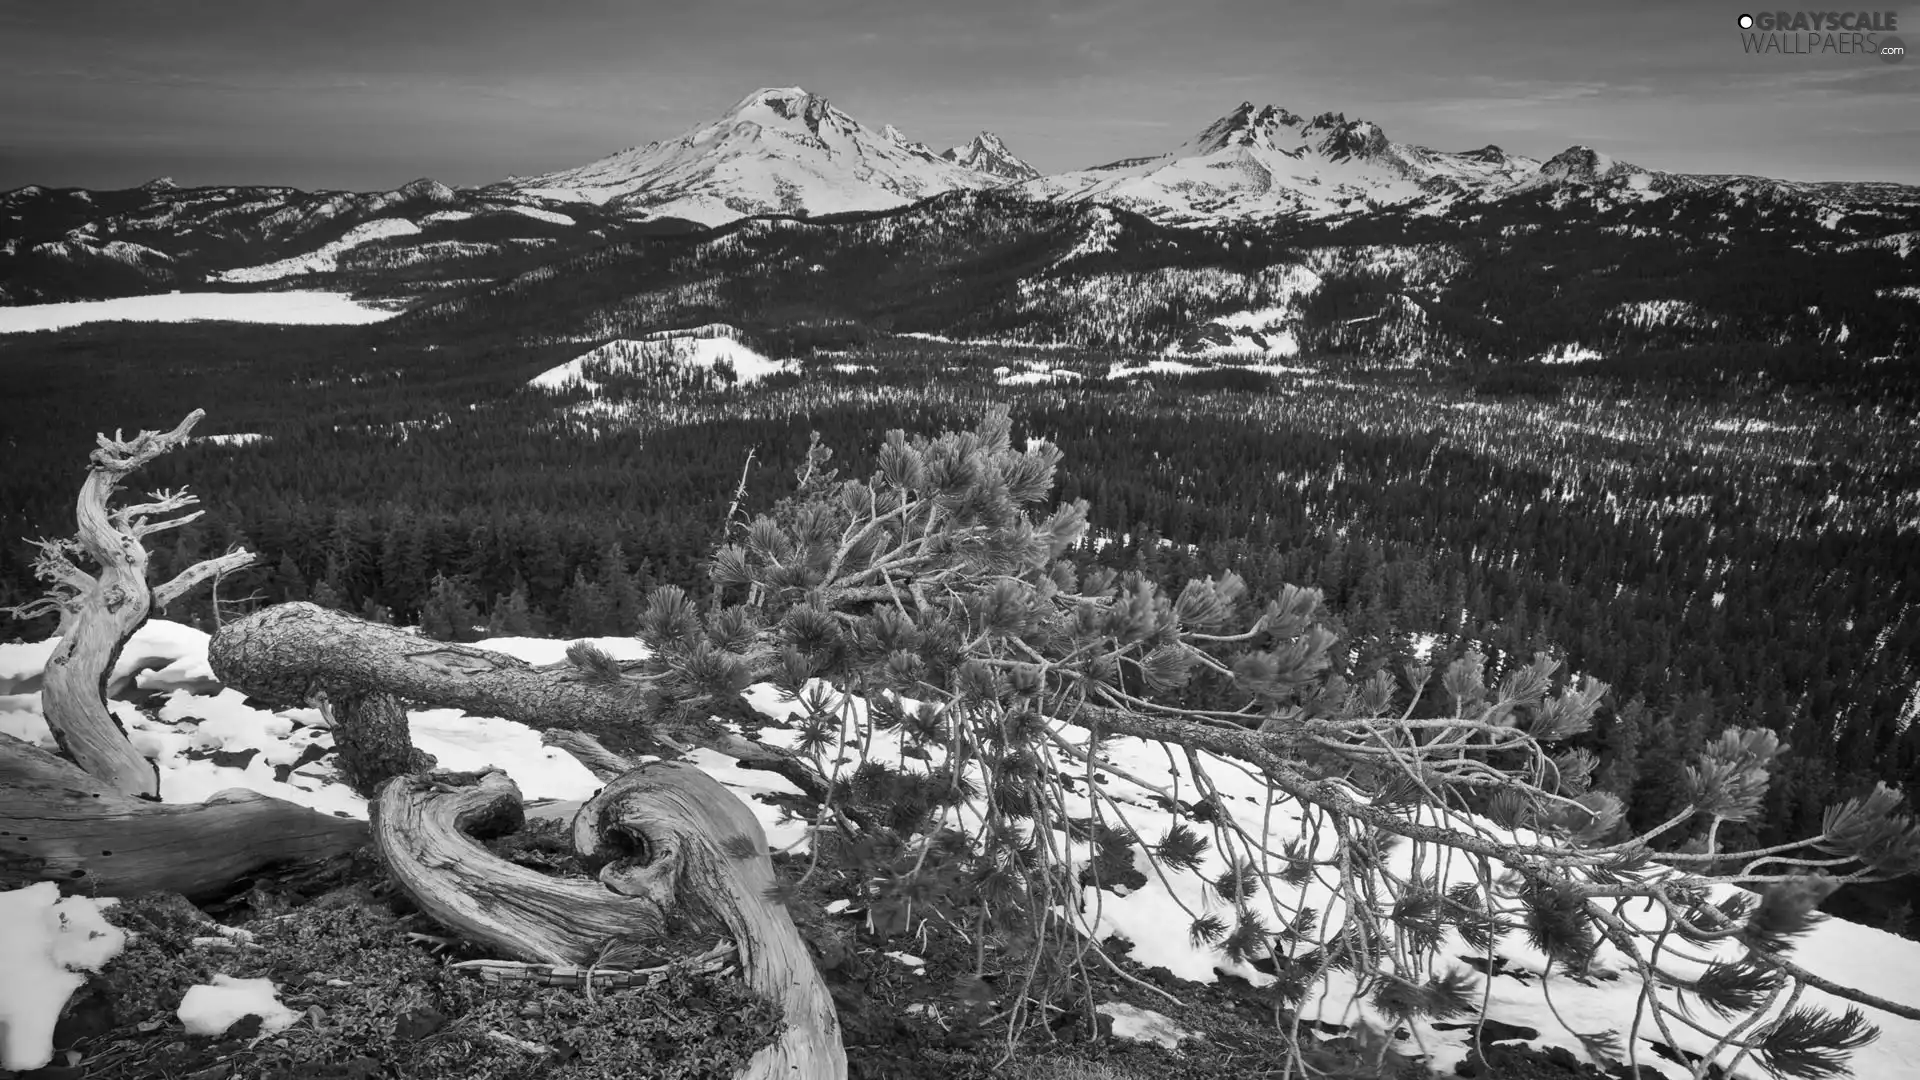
675,838
99,612
424,828
284,654
59,824
682,860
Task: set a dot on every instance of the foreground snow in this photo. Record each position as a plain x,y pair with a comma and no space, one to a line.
301,308
46,943
206,739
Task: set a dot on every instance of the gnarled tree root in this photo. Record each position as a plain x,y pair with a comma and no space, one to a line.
680,858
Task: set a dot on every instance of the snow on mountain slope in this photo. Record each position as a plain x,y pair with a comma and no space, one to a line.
1154,917
704,347
537,214
1581,167
1270,162
81,243
779,150
1901,243
1266,333
324,258
987,154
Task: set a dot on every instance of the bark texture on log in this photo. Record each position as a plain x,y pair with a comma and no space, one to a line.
60,824
372,742
285,653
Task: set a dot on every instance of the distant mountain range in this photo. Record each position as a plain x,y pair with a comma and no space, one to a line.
785,152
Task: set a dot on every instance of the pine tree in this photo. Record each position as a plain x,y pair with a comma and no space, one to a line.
351,560
511,615
589,612
288,581
448,613
326,597
621,590
930,594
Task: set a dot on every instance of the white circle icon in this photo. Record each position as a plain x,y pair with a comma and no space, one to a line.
1746,22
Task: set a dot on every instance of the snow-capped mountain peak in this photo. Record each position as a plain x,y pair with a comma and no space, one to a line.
988,154
1267,127
788,108
1580,164
778,150
1264,161
427,189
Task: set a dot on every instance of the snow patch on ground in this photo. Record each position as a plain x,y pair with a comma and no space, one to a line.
237,439
1264,333
211,1009
295,308
46,942
1143,1025
1567,353
1648,314
1003,343
1423,646
1038,376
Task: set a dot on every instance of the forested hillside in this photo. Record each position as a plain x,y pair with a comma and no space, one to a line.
1734,552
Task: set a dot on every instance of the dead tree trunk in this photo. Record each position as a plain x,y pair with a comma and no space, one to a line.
94,825
98,613
681,859
59,824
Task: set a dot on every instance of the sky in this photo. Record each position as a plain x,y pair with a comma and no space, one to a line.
369,94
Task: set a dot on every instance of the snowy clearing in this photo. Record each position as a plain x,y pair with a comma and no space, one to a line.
703,347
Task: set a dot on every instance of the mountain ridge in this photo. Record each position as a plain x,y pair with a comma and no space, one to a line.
786,152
